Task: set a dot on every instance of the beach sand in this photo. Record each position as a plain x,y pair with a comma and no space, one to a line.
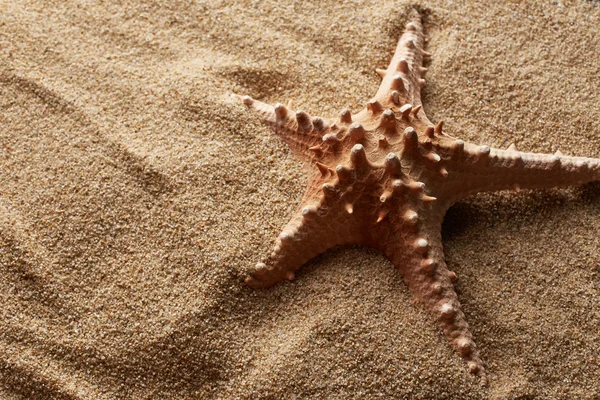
135,193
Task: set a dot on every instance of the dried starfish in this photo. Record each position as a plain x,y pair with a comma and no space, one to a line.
386,176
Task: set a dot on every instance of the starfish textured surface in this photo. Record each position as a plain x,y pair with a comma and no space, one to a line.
386,176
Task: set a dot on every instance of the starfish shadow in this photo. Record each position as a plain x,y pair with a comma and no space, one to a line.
465,214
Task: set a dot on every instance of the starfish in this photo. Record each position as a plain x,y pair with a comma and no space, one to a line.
385,177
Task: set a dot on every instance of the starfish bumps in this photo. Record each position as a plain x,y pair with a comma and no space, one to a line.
386,176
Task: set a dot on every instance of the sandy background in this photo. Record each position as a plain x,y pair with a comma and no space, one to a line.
134,194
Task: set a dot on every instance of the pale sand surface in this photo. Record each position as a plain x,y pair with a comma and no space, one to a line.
134,194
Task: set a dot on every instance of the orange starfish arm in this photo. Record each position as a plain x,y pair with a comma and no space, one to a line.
300,131
403,79
417,253
318,226
484,169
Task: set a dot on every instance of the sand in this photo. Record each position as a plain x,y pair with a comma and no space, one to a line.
134,194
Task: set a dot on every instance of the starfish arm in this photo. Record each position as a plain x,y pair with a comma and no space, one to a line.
481,169
418,254
300,131
403,79
311,231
